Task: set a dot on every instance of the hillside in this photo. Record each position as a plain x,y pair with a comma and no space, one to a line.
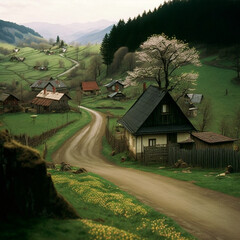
94,37
210,22
14,34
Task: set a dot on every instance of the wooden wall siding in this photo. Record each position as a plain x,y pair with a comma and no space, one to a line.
155,155
203,145
206,158
174,117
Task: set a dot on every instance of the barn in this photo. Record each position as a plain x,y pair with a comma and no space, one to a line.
114,86
8,103
90,87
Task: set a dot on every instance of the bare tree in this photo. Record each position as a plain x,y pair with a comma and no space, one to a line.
129,62
95,66
118,58
61,63
224,126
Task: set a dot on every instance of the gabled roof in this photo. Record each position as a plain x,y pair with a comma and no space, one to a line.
141,110
112,83
51,95
211,137
4,96
42,84
90,86
195,98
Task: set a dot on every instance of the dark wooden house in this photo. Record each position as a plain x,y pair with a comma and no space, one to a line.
49,85
154,120
114,86
47,101
89,88
204,140
8,103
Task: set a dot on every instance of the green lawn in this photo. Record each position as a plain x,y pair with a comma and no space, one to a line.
106,211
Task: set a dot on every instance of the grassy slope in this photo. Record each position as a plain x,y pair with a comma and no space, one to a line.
107,212
17,70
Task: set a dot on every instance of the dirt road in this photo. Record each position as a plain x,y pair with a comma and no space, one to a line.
204,213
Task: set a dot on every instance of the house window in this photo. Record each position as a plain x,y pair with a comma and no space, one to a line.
152,142
165,109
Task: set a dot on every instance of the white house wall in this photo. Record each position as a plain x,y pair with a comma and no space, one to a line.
182,137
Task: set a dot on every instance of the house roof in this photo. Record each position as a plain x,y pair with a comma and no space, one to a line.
4,96
42,101
42,84
141,110
51,95
90,86
211,137
112,95
195,98
112,83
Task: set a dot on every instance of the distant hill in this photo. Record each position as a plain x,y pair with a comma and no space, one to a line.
94,37
69,32
13,33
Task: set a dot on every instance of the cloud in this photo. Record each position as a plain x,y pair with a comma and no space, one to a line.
68,11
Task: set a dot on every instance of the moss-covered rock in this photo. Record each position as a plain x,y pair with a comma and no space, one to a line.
26,189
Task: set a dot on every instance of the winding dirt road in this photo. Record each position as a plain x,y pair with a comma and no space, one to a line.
204,213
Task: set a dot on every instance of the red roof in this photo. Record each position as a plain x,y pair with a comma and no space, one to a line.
89,86
210,137
42,101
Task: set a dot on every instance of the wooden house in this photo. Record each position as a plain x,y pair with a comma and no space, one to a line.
114,86
49,85
194,98
117,95
8,103
47,101
89,88
204,140
154,120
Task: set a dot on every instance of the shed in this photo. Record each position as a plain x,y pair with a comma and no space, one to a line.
90,87
205,140
8,103
194,98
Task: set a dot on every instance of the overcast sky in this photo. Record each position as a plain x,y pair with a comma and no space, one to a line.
70,11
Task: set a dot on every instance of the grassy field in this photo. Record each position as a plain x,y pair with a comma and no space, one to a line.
206,178
19,71
106,211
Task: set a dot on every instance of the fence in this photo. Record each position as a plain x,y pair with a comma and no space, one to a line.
37,140
156,154
205,158
118,145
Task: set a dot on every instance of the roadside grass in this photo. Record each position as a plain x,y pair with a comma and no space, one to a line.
106,212
206,178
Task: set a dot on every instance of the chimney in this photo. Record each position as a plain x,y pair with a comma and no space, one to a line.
54,89
116,88
45,91
144,87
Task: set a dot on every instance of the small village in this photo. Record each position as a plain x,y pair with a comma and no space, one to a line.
126,129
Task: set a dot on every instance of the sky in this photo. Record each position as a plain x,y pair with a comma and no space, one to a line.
71,11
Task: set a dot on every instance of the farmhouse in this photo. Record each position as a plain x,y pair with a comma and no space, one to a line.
154,120
117,95
8,103
205,140
114,86
49,85
90,87
47,101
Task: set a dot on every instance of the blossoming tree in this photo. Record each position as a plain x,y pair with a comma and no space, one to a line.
159,59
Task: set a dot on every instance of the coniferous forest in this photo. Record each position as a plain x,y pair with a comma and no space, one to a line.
210,22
